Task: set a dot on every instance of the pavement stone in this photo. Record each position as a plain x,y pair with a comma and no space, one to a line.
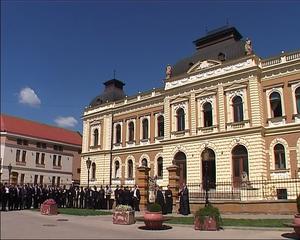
32,225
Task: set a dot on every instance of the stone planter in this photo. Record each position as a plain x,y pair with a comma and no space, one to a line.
123,217
49,207
209,224
296,224
153,220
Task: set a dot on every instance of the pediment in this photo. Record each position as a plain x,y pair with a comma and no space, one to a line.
179,99
235,86
206,93
203,65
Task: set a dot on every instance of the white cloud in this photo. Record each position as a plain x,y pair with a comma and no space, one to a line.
65,122
28,96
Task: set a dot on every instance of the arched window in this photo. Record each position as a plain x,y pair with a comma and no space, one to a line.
160,126
118,133
297,95
145,128
207,114
238,112
180,120
144,162
117,169
275,103
208,168
96,137
130,169
160,167
279,154
131,132
93,171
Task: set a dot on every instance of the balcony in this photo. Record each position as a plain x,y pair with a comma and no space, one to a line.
276,121
238,125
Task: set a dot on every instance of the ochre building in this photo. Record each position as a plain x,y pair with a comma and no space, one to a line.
223,115
36,153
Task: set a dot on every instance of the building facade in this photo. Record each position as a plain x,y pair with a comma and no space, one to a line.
224,114
38,154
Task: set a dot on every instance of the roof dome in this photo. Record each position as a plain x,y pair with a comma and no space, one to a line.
113,92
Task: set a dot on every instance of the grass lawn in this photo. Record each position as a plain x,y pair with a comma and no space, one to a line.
236,222
83,212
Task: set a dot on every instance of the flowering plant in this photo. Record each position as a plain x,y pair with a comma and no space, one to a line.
49,202
123,208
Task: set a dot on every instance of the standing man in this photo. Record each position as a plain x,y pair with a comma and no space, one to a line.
160,200
169,200
108,193
184,208
136,198
117,195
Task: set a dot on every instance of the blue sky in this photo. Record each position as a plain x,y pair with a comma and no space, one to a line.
55,55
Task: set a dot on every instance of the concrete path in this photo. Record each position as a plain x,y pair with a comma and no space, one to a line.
31,225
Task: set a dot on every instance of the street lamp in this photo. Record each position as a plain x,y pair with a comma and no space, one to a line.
88,165
206,159
9,172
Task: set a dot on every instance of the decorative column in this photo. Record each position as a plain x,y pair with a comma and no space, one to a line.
174,183
142,181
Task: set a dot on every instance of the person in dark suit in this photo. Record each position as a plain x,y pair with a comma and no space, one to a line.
102,197
121,195
117,195
136,198
81,197
184,202
169,200
126,196
160,199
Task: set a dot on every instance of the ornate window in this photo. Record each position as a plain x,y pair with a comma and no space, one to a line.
117,169
130,168
160,167
118,133
297,95
279,154
275,103
93,171
237,106
180,119
96,137
144,162
145,128
131,132
160,126
207,115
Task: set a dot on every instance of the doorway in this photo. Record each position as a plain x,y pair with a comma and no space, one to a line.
240,166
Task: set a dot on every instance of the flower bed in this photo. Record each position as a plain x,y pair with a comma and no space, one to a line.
123,215
49,207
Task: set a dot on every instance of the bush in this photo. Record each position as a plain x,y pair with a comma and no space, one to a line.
154,207
123,208
209,211
298,203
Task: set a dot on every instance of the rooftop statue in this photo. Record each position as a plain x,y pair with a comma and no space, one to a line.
248,47
168,71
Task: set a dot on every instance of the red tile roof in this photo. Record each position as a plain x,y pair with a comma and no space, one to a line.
29,128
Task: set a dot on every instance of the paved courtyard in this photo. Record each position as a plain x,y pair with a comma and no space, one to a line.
31,225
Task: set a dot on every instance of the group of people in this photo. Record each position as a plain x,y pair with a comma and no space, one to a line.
19,197
166,200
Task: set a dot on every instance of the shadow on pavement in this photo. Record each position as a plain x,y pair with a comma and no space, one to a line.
290,235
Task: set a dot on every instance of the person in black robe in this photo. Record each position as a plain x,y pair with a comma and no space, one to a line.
160,199
169,200
117,196
184,202
101,197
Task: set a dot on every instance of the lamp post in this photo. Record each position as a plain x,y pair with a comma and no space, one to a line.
88,165
206,159
9,172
